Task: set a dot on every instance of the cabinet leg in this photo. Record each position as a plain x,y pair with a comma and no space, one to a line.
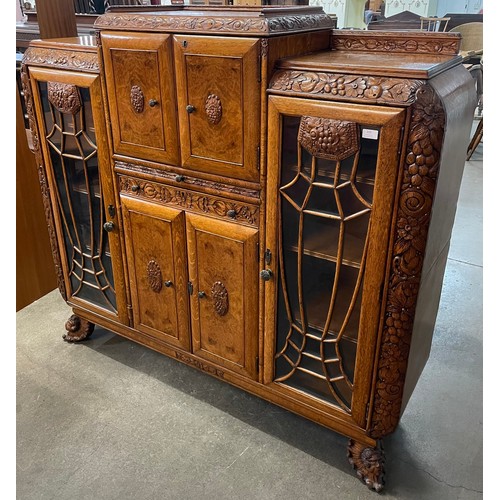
368,463
77,329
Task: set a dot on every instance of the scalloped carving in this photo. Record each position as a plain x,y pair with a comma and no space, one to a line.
64,97
220,298
154,276
213,109
329,139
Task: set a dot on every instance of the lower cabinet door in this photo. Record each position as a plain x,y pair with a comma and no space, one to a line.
223,270
156,250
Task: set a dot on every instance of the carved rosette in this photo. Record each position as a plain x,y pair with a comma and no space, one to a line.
213,109
64,97
77,329
137,99
369,464
154,276
329,139
337,87
44,186
220,298
410,237
189,200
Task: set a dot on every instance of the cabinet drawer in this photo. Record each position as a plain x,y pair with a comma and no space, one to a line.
140,86
218,91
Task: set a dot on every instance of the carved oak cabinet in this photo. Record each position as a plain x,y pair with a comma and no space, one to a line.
259,196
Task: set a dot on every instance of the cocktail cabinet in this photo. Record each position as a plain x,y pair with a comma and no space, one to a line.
258,196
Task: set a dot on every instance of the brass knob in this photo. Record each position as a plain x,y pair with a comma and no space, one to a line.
108,226
153,102
266,274
179,178
190,108
201,294
168,283
231,213
135,188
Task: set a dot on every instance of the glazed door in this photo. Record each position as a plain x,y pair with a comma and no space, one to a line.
218,92
72,127
332,171
224,302
156,255
141,91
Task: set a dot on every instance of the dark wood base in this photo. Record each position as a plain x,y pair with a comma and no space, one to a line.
77,329
368,463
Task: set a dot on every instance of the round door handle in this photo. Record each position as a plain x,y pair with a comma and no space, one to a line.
231,213
179,178
201,294
153,102
135,188
266,274
168,283
108,226
190,108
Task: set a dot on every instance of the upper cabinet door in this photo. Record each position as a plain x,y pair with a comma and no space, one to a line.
140,85
219,104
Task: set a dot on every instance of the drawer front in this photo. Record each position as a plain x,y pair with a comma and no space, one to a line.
156,256
223,270
140,87
219,104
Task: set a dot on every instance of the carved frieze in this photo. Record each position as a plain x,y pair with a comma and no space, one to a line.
338,87
64,97
327,138
412,223
198,364
60,58
189,200
220,297
213,109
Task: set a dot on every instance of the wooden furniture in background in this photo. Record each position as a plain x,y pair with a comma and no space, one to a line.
267,219
458,19
56,18
405,20
434,23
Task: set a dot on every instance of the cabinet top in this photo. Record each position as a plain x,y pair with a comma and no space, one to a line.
228,20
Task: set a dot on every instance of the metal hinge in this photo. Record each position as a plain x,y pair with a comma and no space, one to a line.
401,137
258,158
268,256
257,364
130,315
367,410
190,288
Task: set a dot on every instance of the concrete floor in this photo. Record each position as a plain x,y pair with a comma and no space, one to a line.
109,419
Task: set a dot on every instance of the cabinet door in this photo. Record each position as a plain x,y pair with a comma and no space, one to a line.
219,104
69,110
141,91
223,270
156,256
332,171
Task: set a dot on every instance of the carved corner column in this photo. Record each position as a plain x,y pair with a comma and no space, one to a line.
421,168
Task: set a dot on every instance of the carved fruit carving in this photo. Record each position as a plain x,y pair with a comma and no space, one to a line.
220,298
64,97
154,276
213,109
137,99
329,139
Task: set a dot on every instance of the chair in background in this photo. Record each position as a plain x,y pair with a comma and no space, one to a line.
471,48
433,23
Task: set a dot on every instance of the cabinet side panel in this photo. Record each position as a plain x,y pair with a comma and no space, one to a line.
453,88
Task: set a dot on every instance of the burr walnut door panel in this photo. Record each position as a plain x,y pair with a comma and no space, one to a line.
219,104
332,173
156,255
141,91
69,111
223,270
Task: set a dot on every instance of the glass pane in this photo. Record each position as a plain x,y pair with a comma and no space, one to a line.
326,195
74,160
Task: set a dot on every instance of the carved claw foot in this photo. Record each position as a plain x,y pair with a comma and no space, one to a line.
77,329
368,463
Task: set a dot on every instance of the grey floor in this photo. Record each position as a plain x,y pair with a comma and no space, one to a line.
110,419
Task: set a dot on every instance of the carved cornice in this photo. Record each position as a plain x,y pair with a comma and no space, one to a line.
198,364
239,25
191,201
42,176
339,87
410,236
62,59
420,43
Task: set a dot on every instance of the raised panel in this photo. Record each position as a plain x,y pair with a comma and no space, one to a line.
219,104
140,83
224,304
155,240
